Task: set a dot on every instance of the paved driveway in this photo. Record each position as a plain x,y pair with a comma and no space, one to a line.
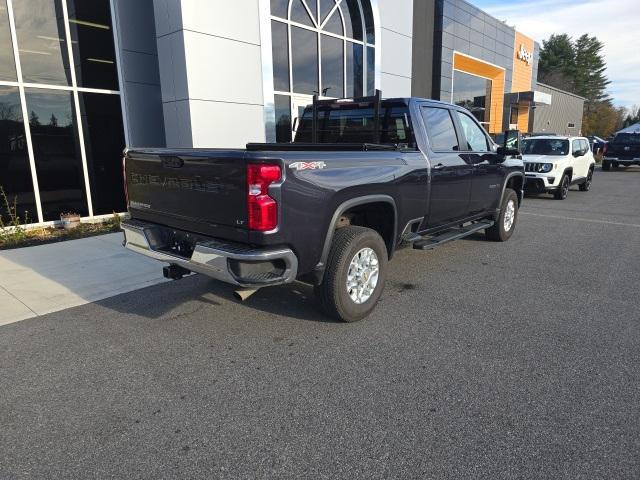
517,360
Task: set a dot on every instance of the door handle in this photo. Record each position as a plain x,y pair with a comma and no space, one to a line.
438,166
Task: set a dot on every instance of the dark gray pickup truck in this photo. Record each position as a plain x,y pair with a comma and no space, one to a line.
363,178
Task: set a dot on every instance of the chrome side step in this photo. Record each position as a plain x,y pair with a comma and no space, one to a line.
451,235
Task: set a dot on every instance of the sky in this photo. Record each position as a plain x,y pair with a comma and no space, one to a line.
614,22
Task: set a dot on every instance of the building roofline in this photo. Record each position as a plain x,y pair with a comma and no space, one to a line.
561,91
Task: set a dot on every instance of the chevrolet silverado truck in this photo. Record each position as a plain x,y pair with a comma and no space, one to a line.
623,150
363,178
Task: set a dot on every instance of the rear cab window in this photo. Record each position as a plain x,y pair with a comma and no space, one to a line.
355,123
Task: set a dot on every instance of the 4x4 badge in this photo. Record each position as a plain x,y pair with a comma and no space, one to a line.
307,166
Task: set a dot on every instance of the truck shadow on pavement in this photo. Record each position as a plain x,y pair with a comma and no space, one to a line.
197,292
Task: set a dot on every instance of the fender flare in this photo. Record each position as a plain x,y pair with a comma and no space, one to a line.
504,186
343,207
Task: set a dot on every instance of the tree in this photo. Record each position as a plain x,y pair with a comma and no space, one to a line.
557,65
53,122
603,120
579,67
633,116
34,120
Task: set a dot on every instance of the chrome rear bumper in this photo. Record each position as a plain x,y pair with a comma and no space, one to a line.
213,258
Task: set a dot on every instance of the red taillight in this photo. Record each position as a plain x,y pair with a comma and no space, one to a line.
124,175
605,148
262,209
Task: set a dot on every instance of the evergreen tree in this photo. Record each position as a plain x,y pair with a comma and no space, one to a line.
34,120
557,63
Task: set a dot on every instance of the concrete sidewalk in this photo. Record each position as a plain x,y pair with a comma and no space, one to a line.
48,278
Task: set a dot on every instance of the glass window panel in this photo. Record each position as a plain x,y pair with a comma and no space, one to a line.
41,41
57,152
15,171
280,46
325,7
305,61
94,54
440,129
7,63
352,19
279,8
347,124
473,93
332,67
476,139
354,70
368,21
283,118
334,25
300,14
371,71
104,142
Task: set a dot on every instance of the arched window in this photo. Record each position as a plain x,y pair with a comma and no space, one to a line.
324,47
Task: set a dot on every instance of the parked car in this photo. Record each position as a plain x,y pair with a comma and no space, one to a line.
623,150
363,178
552,164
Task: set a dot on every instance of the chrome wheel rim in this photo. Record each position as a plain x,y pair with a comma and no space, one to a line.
509,215
565,187
362,277
589,179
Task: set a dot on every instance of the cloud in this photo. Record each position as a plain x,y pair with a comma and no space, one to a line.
614,22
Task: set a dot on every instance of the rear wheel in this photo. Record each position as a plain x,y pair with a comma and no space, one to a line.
355,274
606,165
586,185
506,223
563,190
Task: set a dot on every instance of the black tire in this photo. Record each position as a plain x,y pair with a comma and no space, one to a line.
563,190
606,166
586,185
499,233
332,294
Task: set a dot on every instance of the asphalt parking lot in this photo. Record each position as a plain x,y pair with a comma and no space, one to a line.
483,360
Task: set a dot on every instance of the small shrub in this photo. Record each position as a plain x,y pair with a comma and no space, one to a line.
12,232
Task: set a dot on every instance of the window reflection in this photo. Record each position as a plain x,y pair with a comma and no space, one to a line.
305,60
371,71
472,93
94,54
104,142
280,46
7,64
57,153
283,119
300,14
352,19
15,171
279,8
41,41
354,70
332,67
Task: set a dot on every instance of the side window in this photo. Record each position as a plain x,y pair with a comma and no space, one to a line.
440,129
585,146
476,139
577,146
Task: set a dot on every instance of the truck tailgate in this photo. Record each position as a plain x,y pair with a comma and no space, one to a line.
204,190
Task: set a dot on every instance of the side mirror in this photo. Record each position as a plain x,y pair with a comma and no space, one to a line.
507,152
511,144
512,139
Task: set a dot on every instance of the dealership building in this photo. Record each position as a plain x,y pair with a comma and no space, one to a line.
82,79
